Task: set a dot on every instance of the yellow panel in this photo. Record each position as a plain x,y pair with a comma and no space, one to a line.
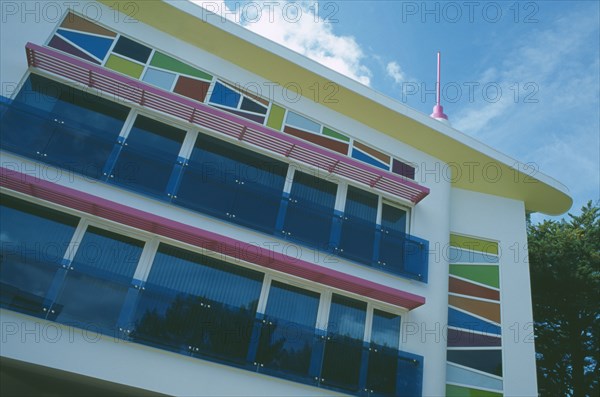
474,244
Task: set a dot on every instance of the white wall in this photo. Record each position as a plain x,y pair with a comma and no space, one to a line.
501,219
423,327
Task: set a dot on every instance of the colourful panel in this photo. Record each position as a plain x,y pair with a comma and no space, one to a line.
159,78
459,319
334,134
488,310
489,361
97,46
456,374
295,120
192,88
254,117
458,338
76,22
474,244
222,95
401,168
458,255
384,158
132,49
60,44
251,106
466,288
484,274
124,66
163,61
460,391
320,140
365,158
276,115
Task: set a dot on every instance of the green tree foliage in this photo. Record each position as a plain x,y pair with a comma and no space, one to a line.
565,277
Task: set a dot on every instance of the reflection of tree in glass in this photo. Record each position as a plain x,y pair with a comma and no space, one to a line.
213,328
286,346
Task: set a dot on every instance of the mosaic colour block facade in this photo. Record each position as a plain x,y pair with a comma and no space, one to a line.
159,205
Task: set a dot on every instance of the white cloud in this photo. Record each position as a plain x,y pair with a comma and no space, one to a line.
558,128
395,72
295,25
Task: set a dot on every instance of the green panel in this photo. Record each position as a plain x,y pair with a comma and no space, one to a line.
475,244
276,117
166,62
484,274
124,66
459,391
335,134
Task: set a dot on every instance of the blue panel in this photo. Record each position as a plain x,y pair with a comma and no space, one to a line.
459,319
195,300
222,95
458,255
289,329
359,225
148,157
159,78
463,376
359,155
132,49
34,240
409,380
102,267
416,257
310,212
97,46
295,120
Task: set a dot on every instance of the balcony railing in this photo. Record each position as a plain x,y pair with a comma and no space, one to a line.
253,204
215,331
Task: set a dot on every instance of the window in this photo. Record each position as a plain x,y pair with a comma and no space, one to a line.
288,332
359,225
393,237
383,353
33,242
146,160
195,300
233,183
62,126
95,287
344,346
309,214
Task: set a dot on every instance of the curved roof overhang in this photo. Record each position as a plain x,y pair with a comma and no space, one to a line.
465,158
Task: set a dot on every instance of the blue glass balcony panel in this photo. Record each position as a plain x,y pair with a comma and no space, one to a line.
94,290
383,370
232,183
357,240
147,158
402,254
62,124
34,241
342,362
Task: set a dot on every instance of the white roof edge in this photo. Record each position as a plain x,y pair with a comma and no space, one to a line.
239,31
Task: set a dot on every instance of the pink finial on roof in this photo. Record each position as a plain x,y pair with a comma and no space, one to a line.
438,110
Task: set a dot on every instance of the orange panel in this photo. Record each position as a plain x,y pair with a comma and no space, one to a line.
488,310
75,22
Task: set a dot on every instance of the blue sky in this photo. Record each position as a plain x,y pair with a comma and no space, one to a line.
523,77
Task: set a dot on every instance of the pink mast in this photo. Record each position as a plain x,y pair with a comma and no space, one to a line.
438,110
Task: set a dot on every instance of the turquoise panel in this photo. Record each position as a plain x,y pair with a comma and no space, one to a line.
463,376
295,120
459,319
457,255
97,46
359,155
159,78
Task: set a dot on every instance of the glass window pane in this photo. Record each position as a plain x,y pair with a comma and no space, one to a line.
288,334
359,225
386,329
62,126
146,161
132,49
309,215
33,242
222,95
344,347
393,218
93,292
195,300
393,237
233,183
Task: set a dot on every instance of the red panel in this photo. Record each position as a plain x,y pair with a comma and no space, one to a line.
192,88
320,140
